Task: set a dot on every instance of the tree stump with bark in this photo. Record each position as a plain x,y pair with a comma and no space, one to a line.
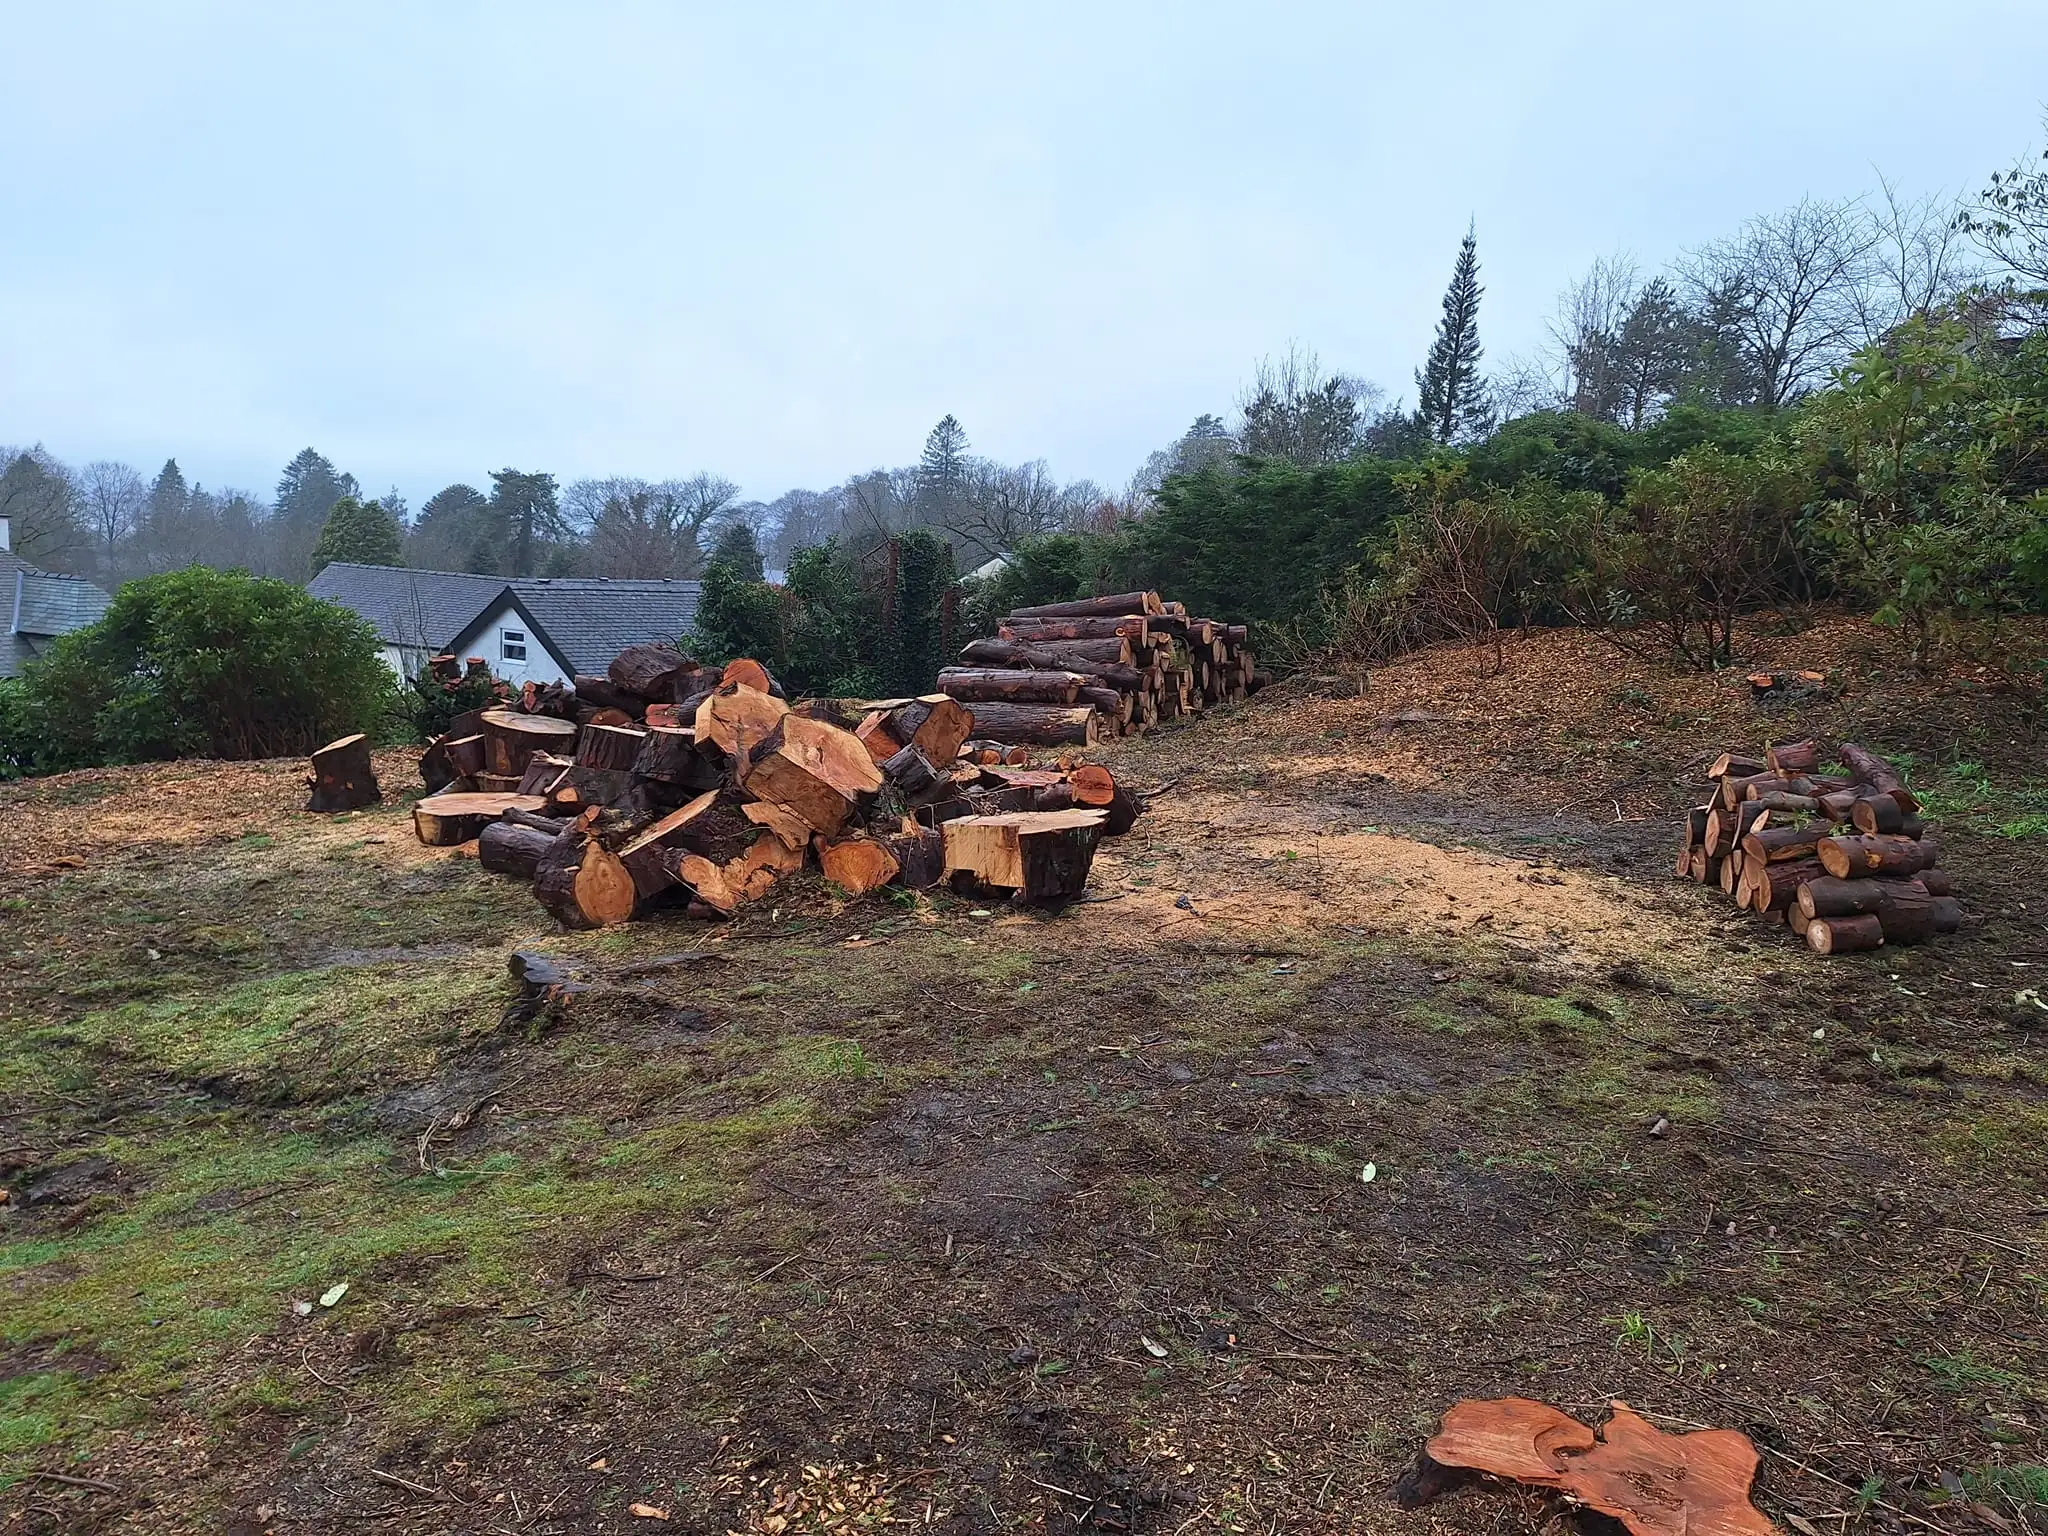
343,778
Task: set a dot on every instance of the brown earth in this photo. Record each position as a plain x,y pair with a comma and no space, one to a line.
931,1216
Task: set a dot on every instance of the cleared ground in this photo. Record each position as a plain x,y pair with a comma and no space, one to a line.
918,1214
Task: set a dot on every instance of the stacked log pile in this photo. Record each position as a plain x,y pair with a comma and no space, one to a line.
1070,674
665,783
1844,860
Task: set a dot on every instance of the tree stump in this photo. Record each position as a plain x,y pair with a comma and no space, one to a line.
511,739
582,884
342,778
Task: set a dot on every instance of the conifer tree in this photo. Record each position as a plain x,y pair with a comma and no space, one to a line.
1453,404
360,532
942,469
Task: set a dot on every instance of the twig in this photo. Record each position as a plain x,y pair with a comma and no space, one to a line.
1801,1466
420,1488
92,1484
777,1265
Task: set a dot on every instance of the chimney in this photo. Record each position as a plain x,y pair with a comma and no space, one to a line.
6,539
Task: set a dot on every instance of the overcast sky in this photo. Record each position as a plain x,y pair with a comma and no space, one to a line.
779,241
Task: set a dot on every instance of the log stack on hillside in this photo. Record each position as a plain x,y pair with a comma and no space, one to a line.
666,783
1070,674
1844,858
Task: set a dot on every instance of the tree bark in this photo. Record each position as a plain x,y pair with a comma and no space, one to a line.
1777,843
603,693
1793,758
1110,627
669,755
342,778
511,739
1873,770
507,848
1045,725
1849,855
1906,912
582,884
1773,886
1736,765
610,748
544,771
648,670
1041,856
1050,658
1877,814
920,855
1117,605
978,684
1832,896
442,821
1843,935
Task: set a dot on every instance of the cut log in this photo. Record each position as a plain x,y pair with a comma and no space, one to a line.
766,860
1730,875
1044,725
1050,658
1788,805
1937,882
610,748
1772,844
749,673
920,854
1773,886
1796,918
1116,605
935,723
465,755
1703,867
655,870
1837,804
1041,856
1843,935
544,771
342,778
1878,813
708,881
441,821
1873,770
1793,758
506,848
1831,896
857,865
648,670
1906,913
511,738
976,684
817,772
785,825
436,772
911,772
1849,856
1039,631
603,693
669,755
1736,790
499,783
1948,914
735,719
1736,765
583,885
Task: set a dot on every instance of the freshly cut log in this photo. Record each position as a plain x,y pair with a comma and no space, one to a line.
1948,914
1906,913
342,778
1049,658
1796,918
506,848
1115,705
1131,627
1789,805
1831,896
652,857
1878,774
785,825
469,723
1693,832
1775,843
1937,882
767,859
581,788
544,771
689,688
603,693
612,748
1736,790
1837,804
441,821
1117,605
1848,856
1878,813
1736,765
1681,866
975,684
1515,1437
1730,874
1044,725
654,868
1843,935
436,772
1041,855
1093,785
511,738
583,885
666,717
814,770
736,719
554,826
1727,828
1773,886
935,723
649,670
669,755
1793,758
911,772
857,865
920,854
749,673
1703,867
466,755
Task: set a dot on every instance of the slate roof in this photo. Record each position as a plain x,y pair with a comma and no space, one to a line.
422,610
39,605
585,621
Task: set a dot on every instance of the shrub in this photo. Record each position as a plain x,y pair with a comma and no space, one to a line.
432,703
200,662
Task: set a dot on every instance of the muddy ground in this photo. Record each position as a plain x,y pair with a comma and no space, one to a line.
928,1215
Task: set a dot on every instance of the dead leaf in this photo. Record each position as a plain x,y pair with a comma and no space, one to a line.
647,1512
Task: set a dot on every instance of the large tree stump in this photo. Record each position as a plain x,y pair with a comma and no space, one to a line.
441,821
582,884
342,778
920,854
1042,856
511,739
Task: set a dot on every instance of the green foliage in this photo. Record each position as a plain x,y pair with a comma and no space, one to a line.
1932,464
737,617
198,663
527,517
433,702
737,549
1453,402
360,532
832,626
918,626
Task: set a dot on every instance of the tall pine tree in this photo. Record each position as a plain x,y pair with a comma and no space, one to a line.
1453,404
942,470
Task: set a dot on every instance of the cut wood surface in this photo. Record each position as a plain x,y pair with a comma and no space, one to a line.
781,822
1043,725
582,884
736,719
1736,765
342,778
857,865
511,738
1792,758
445,820
816,771
1877,814
614,748
1041,855
749,673
1844,935
1856,854
1513,1437
1774,843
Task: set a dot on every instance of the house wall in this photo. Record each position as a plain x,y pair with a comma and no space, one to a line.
492,635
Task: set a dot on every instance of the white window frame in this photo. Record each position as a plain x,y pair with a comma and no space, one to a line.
508,640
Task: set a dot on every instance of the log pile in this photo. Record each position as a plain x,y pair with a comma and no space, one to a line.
669,784
1845,860
1071,674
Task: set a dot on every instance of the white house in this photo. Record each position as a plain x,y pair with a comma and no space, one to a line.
37,606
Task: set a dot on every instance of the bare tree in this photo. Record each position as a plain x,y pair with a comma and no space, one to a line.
1004,504
1918,261
41,506
1788,287
1585,336
1295,411
648,528
112,497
